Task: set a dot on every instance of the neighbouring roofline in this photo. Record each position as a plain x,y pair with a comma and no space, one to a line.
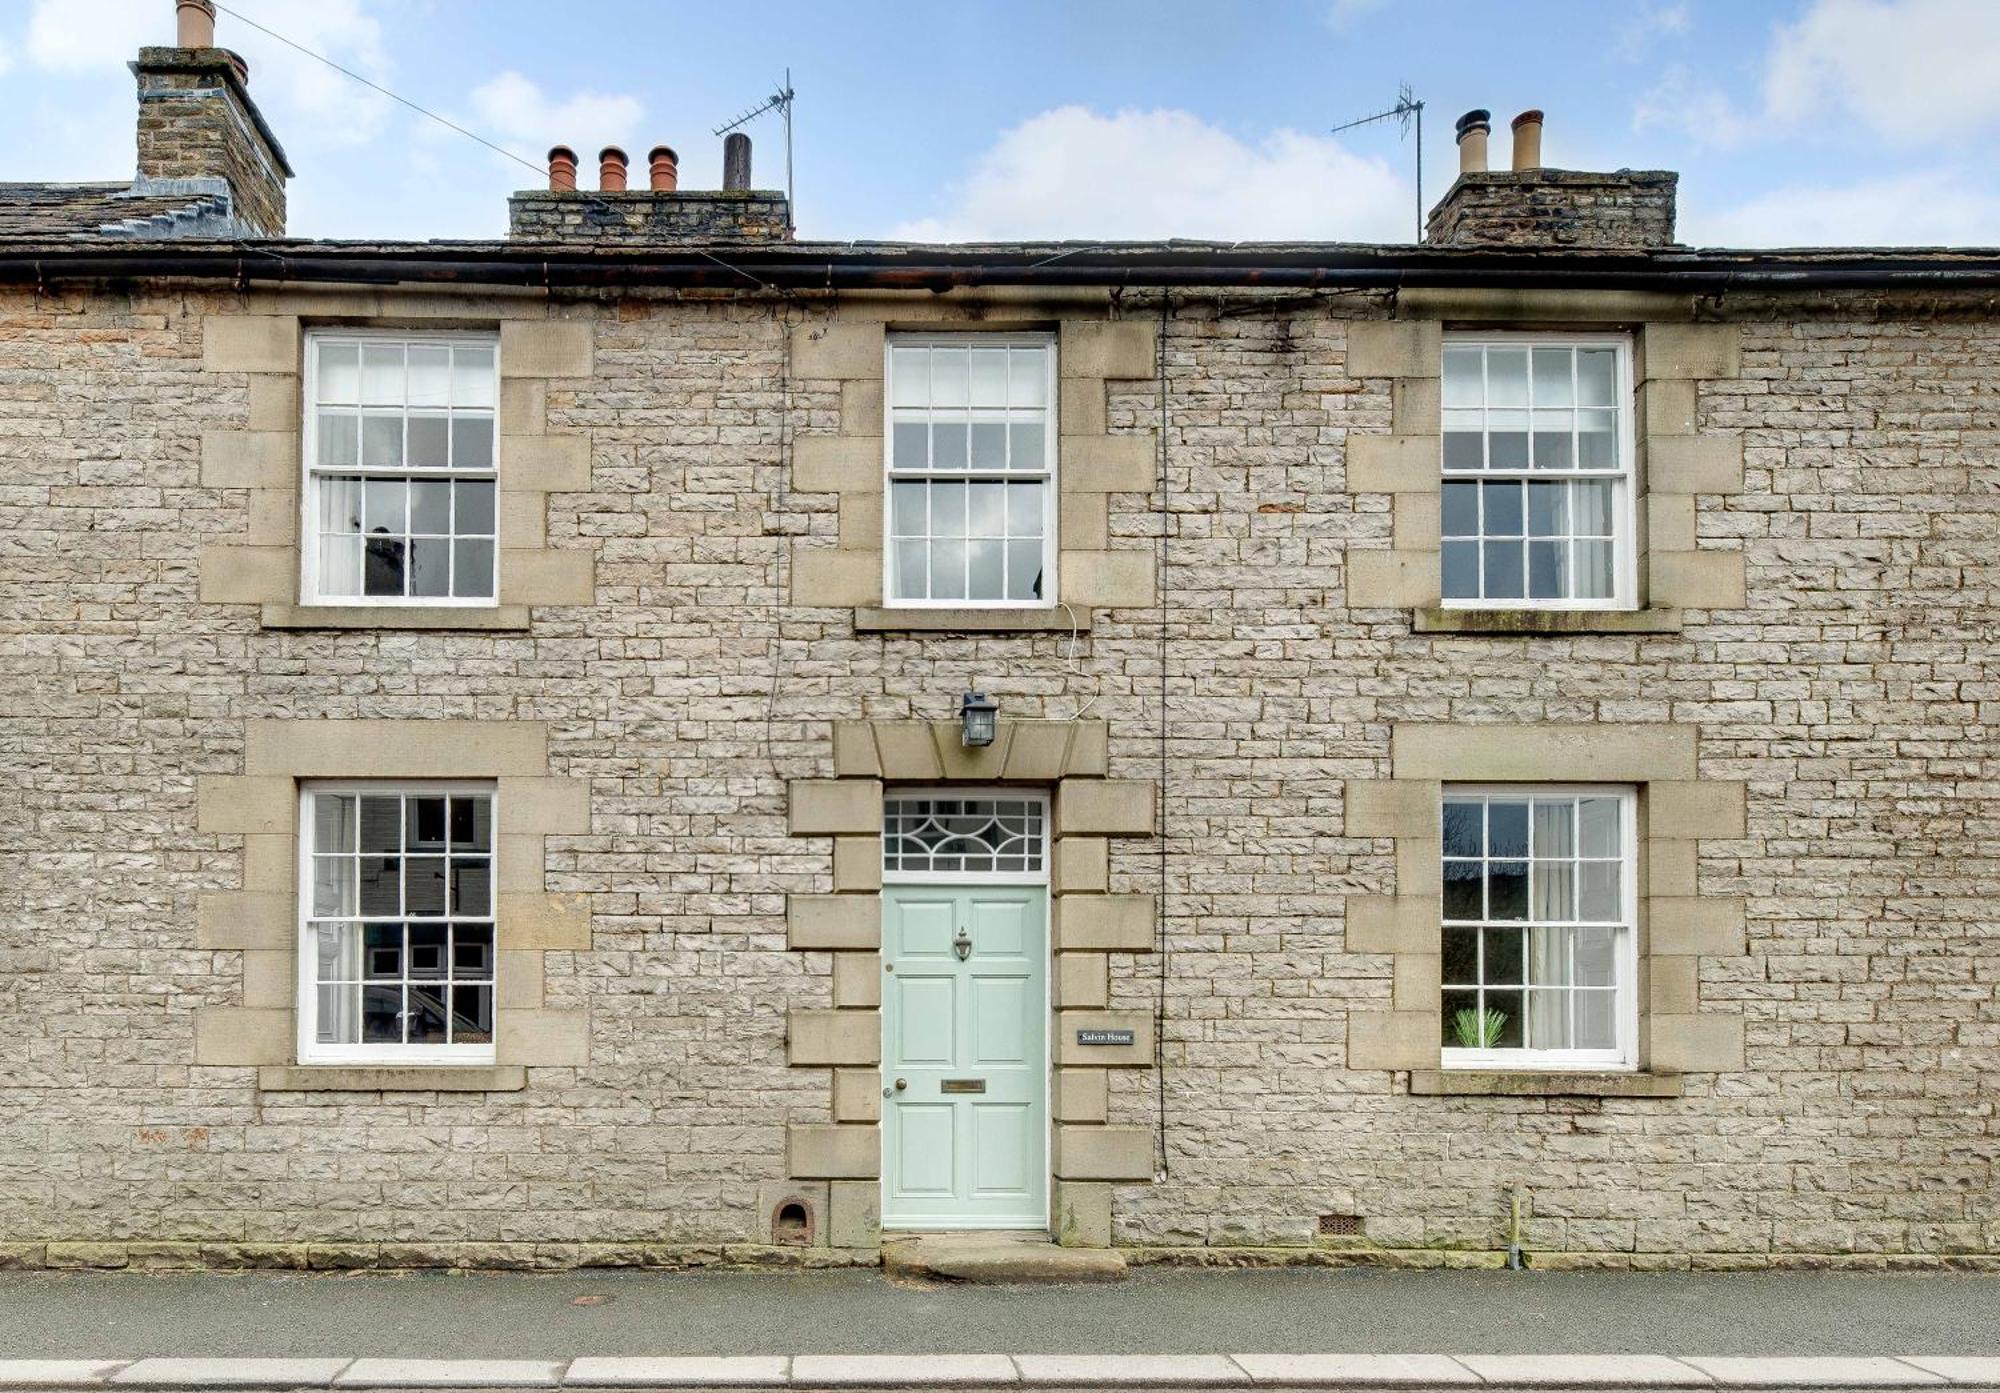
800,266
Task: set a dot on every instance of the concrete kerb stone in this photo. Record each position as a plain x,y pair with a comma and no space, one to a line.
1967,1371
56,1373
451,1373
685,1371
1130,1371
1356,1370
1583,1371
904,1371
230,1373
1825,1371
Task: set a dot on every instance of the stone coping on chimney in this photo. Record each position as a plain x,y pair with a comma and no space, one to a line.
222,62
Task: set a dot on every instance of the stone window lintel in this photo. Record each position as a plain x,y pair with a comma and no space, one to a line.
1677,810
1675,460
261,565
1091,464
261,806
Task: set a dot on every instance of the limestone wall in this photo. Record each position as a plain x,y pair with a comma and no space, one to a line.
1852,695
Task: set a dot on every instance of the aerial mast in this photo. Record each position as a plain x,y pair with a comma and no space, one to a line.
779,101
1407,109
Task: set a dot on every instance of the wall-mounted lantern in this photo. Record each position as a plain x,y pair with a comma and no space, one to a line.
978,715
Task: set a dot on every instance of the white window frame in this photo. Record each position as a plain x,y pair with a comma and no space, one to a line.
1624,500
311,1051
1624,1057
1052,484
309,468
905,877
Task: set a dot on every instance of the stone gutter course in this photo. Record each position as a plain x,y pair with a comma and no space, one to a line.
1053,1371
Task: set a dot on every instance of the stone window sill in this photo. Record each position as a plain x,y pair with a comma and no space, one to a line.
1494,1084
878,620
310,1078
1548,621
499,619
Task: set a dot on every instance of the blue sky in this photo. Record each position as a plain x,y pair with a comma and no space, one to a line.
1791,121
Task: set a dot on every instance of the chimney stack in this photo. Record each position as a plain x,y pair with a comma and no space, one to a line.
194,23
562,170
1534,208
736,163
199,131
664,168
611,170
661,212
1528,140
1472,129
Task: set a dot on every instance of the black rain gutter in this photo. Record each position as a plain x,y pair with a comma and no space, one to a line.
945,269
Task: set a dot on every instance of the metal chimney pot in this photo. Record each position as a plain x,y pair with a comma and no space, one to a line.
736,162
1472,129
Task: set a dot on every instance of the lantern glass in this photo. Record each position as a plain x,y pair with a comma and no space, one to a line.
978,718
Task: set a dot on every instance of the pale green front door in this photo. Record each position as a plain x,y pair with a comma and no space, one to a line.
964,1057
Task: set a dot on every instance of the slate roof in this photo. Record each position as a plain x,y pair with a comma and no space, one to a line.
113,211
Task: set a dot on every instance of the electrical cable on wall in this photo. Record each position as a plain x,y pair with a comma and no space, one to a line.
1160,1002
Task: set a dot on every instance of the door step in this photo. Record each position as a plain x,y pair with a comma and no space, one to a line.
996,1256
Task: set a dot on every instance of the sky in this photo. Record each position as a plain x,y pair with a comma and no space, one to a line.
1792,122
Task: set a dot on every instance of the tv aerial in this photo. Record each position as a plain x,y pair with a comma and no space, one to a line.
1407,111
779,101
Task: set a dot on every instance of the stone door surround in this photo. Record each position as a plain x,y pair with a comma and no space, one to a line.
1087,923
261,921
1679,1030
265,348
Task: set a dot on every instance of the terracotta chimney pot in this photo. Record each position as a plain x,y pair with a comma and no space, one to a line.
611,170
194,23
1528,140
562,169
1472,130
665,168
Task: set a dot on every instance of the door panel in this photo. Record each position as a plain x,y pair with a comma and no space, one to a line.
929,1008
974,1154
1002,1150
1000,1020
925,1151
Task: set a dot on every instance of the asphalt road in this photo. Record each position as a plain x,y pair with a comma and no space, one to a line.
129,1315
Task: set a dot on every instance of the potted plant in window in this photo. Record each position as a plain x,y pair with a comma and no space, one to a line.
1479,1029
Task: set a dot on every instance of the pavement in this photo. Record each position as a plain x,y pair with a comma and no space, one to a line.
820,1330
1630,1373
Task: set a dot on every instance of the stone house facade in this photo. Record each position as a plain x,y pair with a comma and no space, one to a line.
505,855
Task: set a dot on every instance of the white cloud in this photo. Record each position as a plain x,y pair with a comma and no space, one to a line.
1342,14
1680,101
1655,21
1912,70
513,109
1072,172
66,36
1927,208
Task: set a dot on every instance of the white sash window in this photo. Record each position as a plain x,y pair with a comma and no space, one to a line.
971,459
